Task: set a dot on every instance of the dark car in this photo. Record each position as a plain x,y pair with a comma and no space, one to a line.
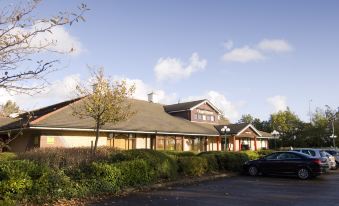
286,163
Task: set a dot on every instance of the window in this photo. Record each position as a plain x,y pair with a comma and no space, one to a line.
208,118
203,117
284,156
272,156
196,116
160,143
212,118
200,116
170,143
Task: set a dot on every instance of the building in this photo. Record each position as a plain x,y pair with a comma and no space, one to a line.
188,126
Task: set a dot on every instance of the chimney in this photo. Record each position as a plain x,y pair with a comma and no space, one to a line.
150,97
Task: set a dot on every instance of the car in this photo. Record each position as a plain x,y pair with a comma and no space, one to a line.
333,164
335,154
286,163
317,153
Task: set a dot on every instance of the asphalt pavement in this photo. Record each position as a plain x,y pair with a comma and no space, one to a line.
242,190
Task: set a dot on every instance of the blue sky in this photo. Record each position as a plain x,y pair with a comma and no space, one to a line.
251,57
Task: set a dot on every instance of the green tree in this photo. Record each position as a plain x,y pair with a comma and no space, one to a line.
103,101
246,118
8,108
288,125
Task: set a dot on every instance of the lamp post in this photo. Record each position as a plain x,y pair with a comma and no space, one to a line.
333,137
225,129
275,135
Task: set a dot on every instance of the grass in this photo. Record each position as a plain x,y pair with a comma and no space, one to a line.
7,156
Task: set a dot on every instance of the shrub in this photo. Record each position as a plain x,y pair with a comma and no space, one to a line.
212,163
180,154
136,172
7,156
231,161
101,177
163,166
193,166
60,158
252,155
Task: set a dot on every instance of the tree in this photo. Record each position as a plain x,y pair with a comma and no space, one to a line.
8,108
246,118
288,125
20,42
223,120
104,102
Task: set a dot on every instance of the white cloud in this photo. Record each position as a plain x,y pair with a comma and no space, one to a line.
229,108
228,44
174,69
57,91
278,103
58,39
275,45
244,54
142,89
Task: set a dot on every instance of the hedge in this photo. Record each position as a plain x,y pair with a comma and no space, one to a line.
7,156
45,178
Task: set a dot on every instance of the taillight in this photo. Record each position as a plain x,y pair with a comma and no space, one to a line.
317,161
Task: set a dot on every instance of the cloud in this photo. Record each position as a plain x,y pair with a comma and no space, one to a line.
275,45
174,69
229,108
278,103
243,55
142,89
59,39
228,44
57,91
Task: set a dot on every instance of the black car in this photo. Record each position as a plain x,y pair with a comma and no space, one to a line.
286,163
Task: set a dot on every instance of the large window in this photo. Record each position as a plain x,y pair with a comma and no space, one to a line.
170,143
160,143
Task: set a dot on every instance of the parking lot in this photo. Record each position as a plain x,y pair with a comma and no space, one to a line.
243,190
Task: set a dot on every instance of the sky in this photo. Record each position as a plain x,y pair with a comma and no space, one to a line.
247,57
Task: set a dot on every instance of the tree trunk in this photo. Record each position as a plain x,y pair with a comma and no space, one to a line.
96,137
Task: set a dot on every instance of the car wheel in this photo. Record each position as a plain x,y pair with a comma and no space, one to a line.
303,174
253,171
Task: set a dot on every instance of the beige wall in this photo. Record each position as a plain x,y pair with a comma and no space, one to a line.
70,139
143,141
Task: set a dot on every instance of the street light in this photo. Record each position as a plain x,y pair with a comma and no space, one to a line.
275,135
333,137
225,129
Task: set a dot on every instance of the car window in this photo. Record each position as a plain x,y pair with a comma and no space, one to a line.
312,152
272,156
284,156
322,153
306,152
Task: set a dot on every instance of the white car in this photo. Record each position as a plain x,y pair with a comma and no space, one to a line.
334,153
333,164
318,153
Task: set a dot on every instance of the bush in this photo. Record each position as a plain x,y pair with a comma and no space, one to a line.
193,166
231,161
60,158
163,166
212,163
252,155
180,154
7,156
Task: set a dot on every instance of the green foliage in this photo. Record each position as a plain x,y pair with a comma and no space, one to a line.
246,118
163,165
63,158
264,152
230,161
7,156
193,166
252,155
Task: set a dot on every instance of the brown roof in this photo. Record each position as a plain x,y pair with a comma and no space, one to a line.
234,128
149,117
182,106
265,134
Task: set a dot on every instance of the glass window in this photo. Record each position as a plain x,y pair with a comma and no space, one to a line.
160,143
272,156
312,152
178,142
200,116
203,117
170,143
208,118
196,116
212,118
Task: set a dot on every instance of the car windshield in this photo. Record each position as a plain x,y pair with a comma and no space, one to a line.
332,152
